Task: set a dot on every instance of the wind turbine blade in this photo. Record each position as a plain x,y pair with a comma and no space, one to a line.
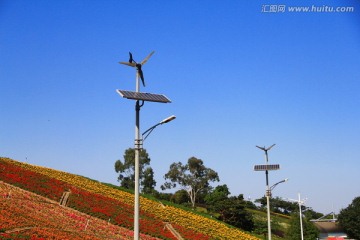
130,58
270,147
147,58
143,81
129,64
261,148
141,74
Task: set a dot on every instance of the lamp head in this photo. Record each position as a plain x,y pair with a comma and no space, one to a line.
166,120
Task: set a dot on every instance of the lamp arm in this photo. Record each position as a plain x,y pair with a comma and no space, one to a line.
147,132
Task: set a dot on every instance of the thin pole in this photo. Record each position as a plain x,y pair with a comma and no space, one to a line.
300,213
137,163
268,193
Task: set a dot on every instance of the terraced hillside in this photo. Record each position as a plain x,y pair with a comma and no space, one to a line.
112,205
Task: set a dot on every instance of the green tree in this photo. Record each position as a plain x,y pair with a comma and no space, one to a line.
148,183
279,205
261,227
231,210
220,193
311,214
180,197
349,219
193,177
294,230
126,170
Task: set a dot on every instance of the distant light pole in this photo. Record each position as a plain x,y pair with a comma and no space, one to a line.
267,168
300,215
299,201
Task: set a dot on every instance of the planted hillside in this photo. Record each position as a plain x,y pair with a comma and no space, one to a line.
114,211
25,215
113,205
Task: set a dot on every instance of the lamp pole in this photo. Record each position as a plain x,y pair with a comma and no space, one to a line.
266,168
268,194
268,191
300,215
138,146
138,96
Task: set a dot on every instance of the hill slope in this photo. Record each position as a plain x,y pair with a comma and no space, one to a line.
25,214
114,205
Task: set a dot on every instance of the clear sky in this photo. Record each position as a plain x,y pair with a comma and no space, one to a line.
239,74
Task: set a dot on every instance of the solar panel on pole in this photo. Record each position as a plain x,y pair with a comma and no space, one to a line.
150,97
268,167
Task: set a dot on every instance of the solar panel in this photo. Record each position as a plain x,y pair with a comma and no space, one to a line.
268,167
150,97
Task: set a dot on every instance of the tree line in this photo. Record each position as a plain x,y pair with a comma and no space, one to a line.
193,181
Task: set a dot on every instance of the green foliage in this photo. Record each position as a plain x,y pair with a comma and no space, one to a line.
230,210
220,193
126,170
180,197
260,227
148,183
279,224
193,177
349,219
162,196
311,214
233,212
279,205
294,231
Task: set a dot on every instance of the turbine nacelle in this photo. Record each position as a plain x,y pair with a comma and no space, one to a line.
265,149
133,63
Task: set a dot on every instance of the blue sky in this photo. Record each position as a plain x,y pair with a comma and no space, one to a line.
237,77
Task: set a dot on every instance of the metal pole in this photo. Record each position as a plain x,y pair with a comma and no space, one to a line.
137,163
300,213
268,193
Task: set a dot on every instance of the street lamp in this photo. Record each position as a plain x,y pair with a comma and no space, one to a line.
140,98
268,196
267,168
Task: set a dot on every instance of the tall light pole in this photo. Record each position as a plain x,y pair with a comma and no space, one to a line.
267,168
139,96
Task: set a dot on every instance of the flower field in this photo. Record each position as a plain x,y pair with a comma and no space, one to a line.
113,205
25,215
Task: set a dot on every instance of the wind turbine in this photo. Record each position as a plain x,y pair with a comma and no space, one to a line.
133,63
140,97
266,149
267,167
